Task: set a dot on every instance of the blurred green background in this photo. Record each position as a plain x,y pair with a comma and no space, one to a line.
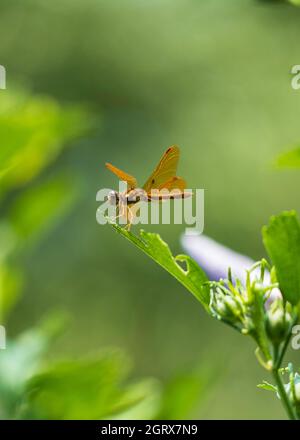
212,76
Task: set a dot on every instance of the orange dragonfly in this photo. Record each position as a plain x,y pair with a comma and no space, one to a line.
163,178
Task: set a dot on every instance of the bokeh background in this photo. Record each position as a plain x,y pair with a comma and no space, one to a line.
212,76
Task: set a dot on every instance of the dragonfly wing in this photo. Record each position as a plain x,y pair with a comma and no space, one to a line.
131,181
174,183
165,170
175,186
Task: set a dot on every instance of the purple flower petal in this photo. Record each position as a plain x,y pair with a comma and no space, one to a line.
215,259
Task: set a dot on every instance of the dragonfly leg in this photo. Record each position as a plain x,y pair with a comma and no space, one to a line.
129,217
122,213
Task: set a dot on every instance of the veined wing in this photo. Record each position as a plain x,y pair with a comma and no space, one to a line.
165,170
174,190
131,181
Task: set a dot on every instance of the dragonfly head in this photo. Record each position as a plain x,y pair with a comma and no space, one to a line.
113,197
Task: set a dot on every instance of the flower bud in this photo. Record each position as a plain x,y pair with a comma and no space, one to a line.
297,392
226,307
277,324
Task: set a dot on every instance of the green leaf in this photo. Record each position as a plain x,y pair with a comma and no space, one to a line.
267,386
21,359
192,277
92,388
38,207
290,159
140,401
282,242
33,132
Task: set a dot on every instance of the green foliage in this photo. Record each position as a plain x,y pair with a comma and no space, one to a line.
282,241
140,400
48,70
96,387
242,306
84,389
254,307
21,360
267,386
99,387
33,133
28,216
288,391
193,277
35,208
89,388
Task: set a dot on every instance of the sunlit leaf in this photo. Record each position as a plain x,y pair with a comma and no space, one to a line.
33,132
21,360
192,277
38,207
141,400
282,242
267,386
84,389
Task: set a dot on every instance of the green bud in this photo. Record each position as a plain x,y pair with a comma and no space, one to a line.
297,392
224,306
255,291
231,304
277,322
220,308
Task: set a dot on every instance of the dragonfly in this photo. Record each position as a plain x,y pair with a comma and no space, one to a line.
163,184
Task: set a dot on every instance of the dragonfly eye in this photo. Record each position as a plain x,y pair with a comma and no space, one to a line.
113,197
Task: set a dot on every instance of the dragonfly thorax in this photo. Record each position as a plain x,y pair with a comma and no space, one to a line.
136,195
127,198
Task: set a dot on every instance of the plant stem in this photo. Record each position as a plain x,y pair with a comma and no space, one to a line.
278,356
283,396
281,356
